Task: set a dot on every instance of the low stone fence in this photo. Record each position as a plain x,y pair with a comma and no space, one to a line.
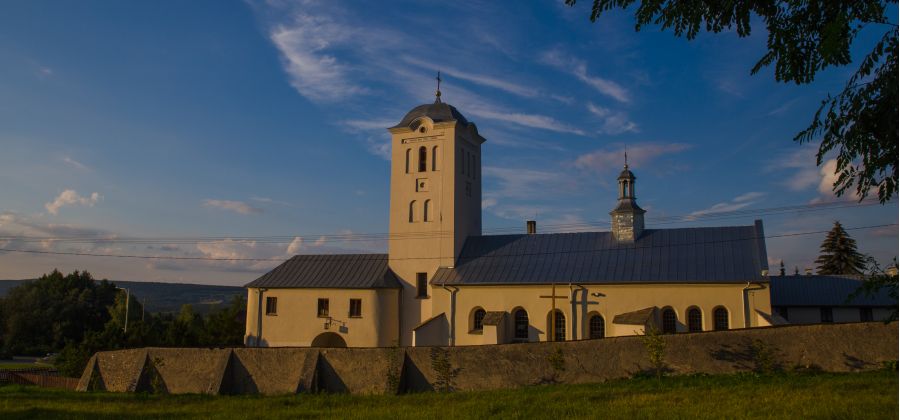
832,348
45,378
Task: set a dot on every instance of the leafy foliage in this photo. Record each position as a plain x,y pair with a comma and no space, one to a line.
876,281
839,255
78,316
655,345
860,122
40,316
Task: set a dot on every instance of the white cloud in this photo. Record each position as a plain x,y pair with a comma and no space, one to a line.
613,122
829,174
739,202
71,198
295,245
527,120
75,163
313,72
638,155
524,183
484,80
235,206
578,68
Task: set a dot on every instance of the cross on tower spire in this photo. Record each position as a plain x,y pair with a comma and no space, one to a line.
437,94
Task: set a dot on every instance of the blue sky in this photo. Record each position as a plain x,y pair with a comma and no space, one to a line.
230,120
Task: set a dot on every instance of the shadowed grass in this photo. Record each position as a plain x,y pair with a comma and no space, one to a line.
856,395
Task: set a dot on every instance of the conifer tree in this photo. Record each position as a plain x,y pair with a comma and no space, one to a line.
839,255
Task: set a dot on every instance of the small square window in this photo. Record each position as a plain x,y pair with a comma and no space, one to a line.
422,285
271,305
355,308
323,307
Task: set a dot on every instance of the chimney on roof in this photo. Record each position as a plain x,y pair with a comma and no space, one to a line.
808,271
531,227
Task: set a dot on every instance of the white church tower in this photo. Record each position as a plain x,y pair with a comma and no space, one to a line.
435,201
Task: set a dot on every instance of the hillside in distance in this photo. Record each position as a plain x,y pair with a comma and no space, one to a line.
167,297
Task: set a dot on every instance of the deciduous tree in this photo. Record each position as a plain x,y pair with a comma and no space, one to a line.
804,37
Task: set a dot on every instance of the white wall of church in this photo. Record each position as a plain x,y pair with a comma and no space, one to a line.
297,323
606,300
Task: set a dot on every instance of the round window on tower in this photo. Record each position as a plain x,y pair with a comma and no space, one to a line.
421,129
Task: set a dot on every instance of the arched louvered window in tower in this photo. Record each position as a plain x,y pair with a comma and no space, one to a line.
695,320
669,321
434,158
408,153
412,211
720,316
423,159
597,327
426,213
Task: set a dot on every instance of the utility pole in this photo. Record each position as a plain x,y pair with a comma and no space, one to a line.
127,298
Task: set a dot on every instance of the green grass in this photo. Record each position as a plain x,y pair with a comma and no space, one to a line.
24,365
857,395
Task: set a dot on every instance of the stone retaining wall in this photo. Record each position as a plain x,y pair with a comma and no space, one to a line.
832,348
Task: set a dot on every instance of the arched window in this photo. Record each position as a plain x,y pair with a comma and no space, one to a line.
423,159
720,316
434,158
478,319
669,319
695,320
472,165
558,320
520,319
427,211
408,152
597,328
412,211
624,188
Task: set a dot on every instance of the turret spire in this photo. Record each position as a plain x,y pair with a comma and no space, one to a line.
437,94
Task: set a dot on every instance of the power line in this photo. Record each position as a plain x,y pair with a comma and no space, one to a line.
785,235
375,237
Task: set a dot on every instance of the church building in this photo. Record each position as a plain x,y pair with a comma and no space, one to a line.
444,283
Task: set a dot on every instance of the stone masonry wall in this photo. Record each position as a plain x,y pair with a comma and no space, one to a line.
832,348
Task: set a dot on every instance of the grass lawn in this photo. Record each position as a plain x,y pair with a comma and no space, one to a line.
856,395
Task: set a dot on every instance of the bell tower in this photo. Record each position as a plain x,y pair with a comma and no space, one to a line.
435,200
627,217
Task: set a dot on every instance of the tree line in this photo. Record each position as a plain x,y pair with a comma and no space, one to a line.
75,316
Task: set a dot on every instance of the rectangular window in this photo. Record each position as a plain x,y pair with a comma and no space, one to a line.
355,308
323,307
827,316
271,305
865,314
421,285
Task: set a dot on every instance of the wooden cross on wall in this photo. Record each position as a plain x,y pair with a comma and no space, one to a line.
553,298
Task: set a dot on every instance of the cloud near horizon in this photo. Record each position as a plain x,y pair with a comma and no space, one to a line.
230,205
71,198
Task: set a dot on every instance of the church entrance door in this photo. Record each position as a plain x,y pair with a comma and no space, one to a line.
329,339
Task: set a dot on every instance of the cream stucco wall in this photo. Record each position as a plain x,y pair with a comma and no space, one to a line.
606,300
297,322
451,182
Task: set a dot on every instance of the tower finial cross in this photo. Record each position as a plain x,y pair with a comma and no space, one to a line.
437,94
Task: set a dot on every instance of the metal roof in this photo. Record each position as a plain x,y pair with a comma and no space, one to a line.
341,271
685,255
438,112
818,290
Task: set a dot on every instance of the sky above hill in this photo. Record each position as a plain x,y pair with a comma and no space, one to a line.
256,129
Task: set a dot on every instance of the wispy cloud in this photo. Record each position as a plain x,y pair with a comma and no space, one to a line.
76,164
638,155
527,120
578,68
314,72
71,198
524,183
235,206
481,79
614,122
737,203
